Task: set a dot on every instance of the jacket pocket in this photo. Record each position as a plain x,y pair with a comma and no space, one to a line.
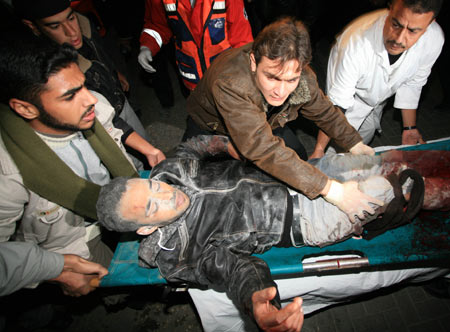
49,214
36,227
216,28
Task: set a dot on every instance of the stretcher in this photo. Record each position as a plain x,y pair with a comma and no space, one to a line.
423,242
415,252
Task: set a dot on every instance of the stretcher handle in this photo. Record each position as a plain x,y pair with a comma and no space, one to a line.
336,264
94,282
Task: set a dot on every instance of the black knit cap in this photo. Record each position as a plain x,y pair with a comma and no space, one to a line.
37,9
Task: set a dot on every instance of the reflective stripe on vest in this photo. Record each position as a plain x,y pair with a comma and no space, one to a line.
170,7
219,5
155,34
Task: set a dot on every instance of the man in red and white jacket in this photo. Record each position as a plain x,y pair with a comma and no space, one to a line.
202,29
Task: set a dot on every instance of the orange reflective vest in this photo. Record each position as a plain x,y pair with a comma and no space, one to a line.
201,33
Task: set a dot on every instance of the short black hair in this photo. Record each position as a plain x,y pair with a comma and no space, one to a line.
422,6
38,9
27,62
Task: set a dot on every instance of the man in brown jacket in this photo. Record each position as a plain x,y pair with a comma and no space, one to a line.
250,93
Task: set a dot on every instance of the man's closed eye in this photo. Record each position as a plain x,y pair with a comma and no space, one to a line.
151,208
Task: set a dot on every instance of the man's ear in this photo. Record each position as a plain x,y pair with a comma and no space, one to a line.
252,62
32,27
25,109
146,230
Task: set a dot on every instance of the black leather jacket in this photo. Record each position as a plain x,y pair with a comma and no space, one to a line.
235,211
100,72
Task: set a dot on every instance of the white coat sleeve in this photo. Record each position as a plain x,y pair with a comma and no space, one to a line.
345,66
430,46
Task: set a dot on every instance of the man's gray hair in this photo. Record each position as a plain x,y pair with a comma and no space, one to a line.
108,204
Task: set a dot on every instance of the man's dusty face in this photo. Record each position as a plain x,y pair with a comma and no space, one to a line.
403,28
62,28
152,202
68,105
276,82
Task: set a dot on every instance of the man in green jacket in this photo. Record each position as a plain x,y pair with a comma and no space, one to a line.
58,146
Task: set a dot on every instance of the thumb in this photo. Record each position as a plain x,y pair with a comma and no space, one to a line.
299,301
265,294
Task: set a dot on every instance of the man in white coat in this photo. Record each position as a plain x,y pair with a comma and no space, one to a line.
382,53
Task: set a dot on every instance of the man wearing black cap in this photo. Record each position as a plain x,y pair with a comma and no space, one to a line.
57,20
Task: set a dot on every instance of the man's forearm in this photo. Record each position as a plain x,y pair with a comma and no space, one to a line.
410,134
409,117
156,31
23,264
322,141
137,142
250,275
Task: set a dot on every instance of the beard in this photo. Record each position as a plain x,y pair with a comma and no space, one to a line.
52,122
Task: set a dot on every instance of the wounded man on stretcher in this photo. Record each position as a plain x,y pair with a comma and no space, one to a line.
206,218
